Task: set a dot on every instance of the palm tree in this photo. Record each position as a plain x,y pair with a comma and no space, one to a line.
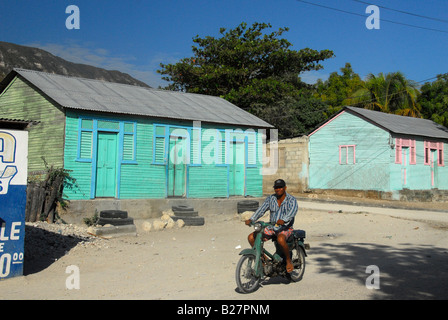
390,93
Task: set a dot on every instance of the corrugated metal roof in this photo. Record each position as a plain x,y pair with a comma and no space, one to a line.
402,125
102,96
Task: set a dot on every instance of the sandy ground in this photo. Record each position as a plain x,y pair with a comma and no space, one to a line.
410,251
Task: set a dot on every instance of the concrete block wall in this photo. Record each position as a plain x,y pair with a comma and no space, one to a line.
292,164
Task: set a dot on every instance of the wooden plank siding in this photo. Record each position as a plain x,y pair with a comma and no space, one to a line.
146,178
372,155
21,100
68,138
418,175
379,162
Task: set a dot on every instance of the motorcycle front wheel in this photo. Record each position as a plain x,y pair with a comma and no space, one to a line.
246,279
298,260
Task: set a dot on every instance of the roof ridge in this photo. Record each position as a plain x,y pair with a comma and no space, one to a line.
115,83
355,109
400,124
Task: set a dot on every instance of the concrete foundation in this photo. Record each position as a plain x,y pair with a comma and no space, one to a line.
149,208
433,195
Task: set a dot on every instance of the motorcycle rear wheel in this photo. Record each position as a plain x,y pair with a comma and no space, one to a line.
298,260
245,277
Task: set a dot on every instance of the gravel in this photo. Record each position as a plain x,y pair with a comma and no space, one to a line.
45,243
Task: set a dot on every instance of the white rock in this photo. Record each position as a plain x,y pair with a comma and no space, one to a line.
245,215
147,226
168,212
159,224
170,224
180,223
165,217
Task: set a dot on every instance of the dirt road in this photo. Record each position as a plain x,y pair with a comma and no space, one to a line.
199,262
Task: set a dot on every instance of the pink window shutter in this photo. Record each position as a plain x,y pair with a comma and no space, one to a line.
413,159
426,155
397,150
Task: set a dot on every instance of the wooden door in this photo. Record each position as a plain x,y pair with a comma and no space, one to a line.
106,167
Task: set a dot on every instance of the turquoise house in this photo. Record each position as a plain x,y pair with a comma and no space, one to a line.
129,142
359,149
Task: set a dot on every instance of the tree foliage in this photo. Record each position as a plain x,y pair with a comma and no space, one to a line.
258,71
337,90
247,66
241,62
390,93
434,100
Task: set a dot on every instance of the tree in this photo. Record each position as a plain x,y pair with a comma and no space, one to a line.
390,93
434,100
293,116
245,65
337,89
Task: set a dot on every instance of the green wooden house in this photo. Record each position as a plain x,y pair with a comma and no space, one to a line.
361,149
129,142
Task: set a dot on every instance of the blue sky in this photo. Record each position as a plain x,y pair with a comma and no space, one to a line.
136,36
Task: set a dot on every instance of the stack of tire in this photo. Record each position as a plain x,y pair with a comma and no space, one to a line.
247,205
115,218
188,215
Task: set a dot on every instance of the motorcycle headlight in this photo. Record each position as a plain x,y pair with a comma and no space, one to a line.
257,227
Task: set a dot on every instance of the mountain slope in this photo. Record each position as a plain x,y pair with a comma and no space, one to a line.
17,56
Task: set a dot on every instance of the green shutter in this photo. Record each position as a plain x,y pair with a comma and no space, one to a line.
86,145
195,148
159,152
128,147
251,149
221,148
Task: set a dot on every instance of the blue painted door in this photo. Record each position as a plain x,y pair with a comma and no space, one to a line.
106,167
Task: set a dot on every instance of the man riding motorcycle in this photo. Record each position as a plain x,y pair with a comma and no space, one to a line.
283,208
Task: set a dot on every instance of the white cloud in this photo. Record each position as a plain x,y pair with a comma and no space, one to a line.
311,77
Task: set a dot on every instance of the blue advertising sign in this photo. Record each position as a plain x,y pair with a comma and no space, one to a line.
13,181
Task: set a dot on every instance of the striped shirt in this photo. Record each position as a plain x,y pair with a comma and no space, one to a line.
286,212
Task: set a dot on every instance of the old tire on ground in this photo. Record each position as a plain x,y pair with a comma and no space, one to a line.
186,213
115,221
114,214
182,208
190,221
247,205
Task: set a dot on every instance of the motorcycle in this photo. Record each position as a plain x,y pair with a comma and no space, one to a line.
257,263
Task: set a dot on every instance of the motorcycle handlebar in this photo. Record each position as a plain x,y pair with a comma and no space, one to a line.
263,224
